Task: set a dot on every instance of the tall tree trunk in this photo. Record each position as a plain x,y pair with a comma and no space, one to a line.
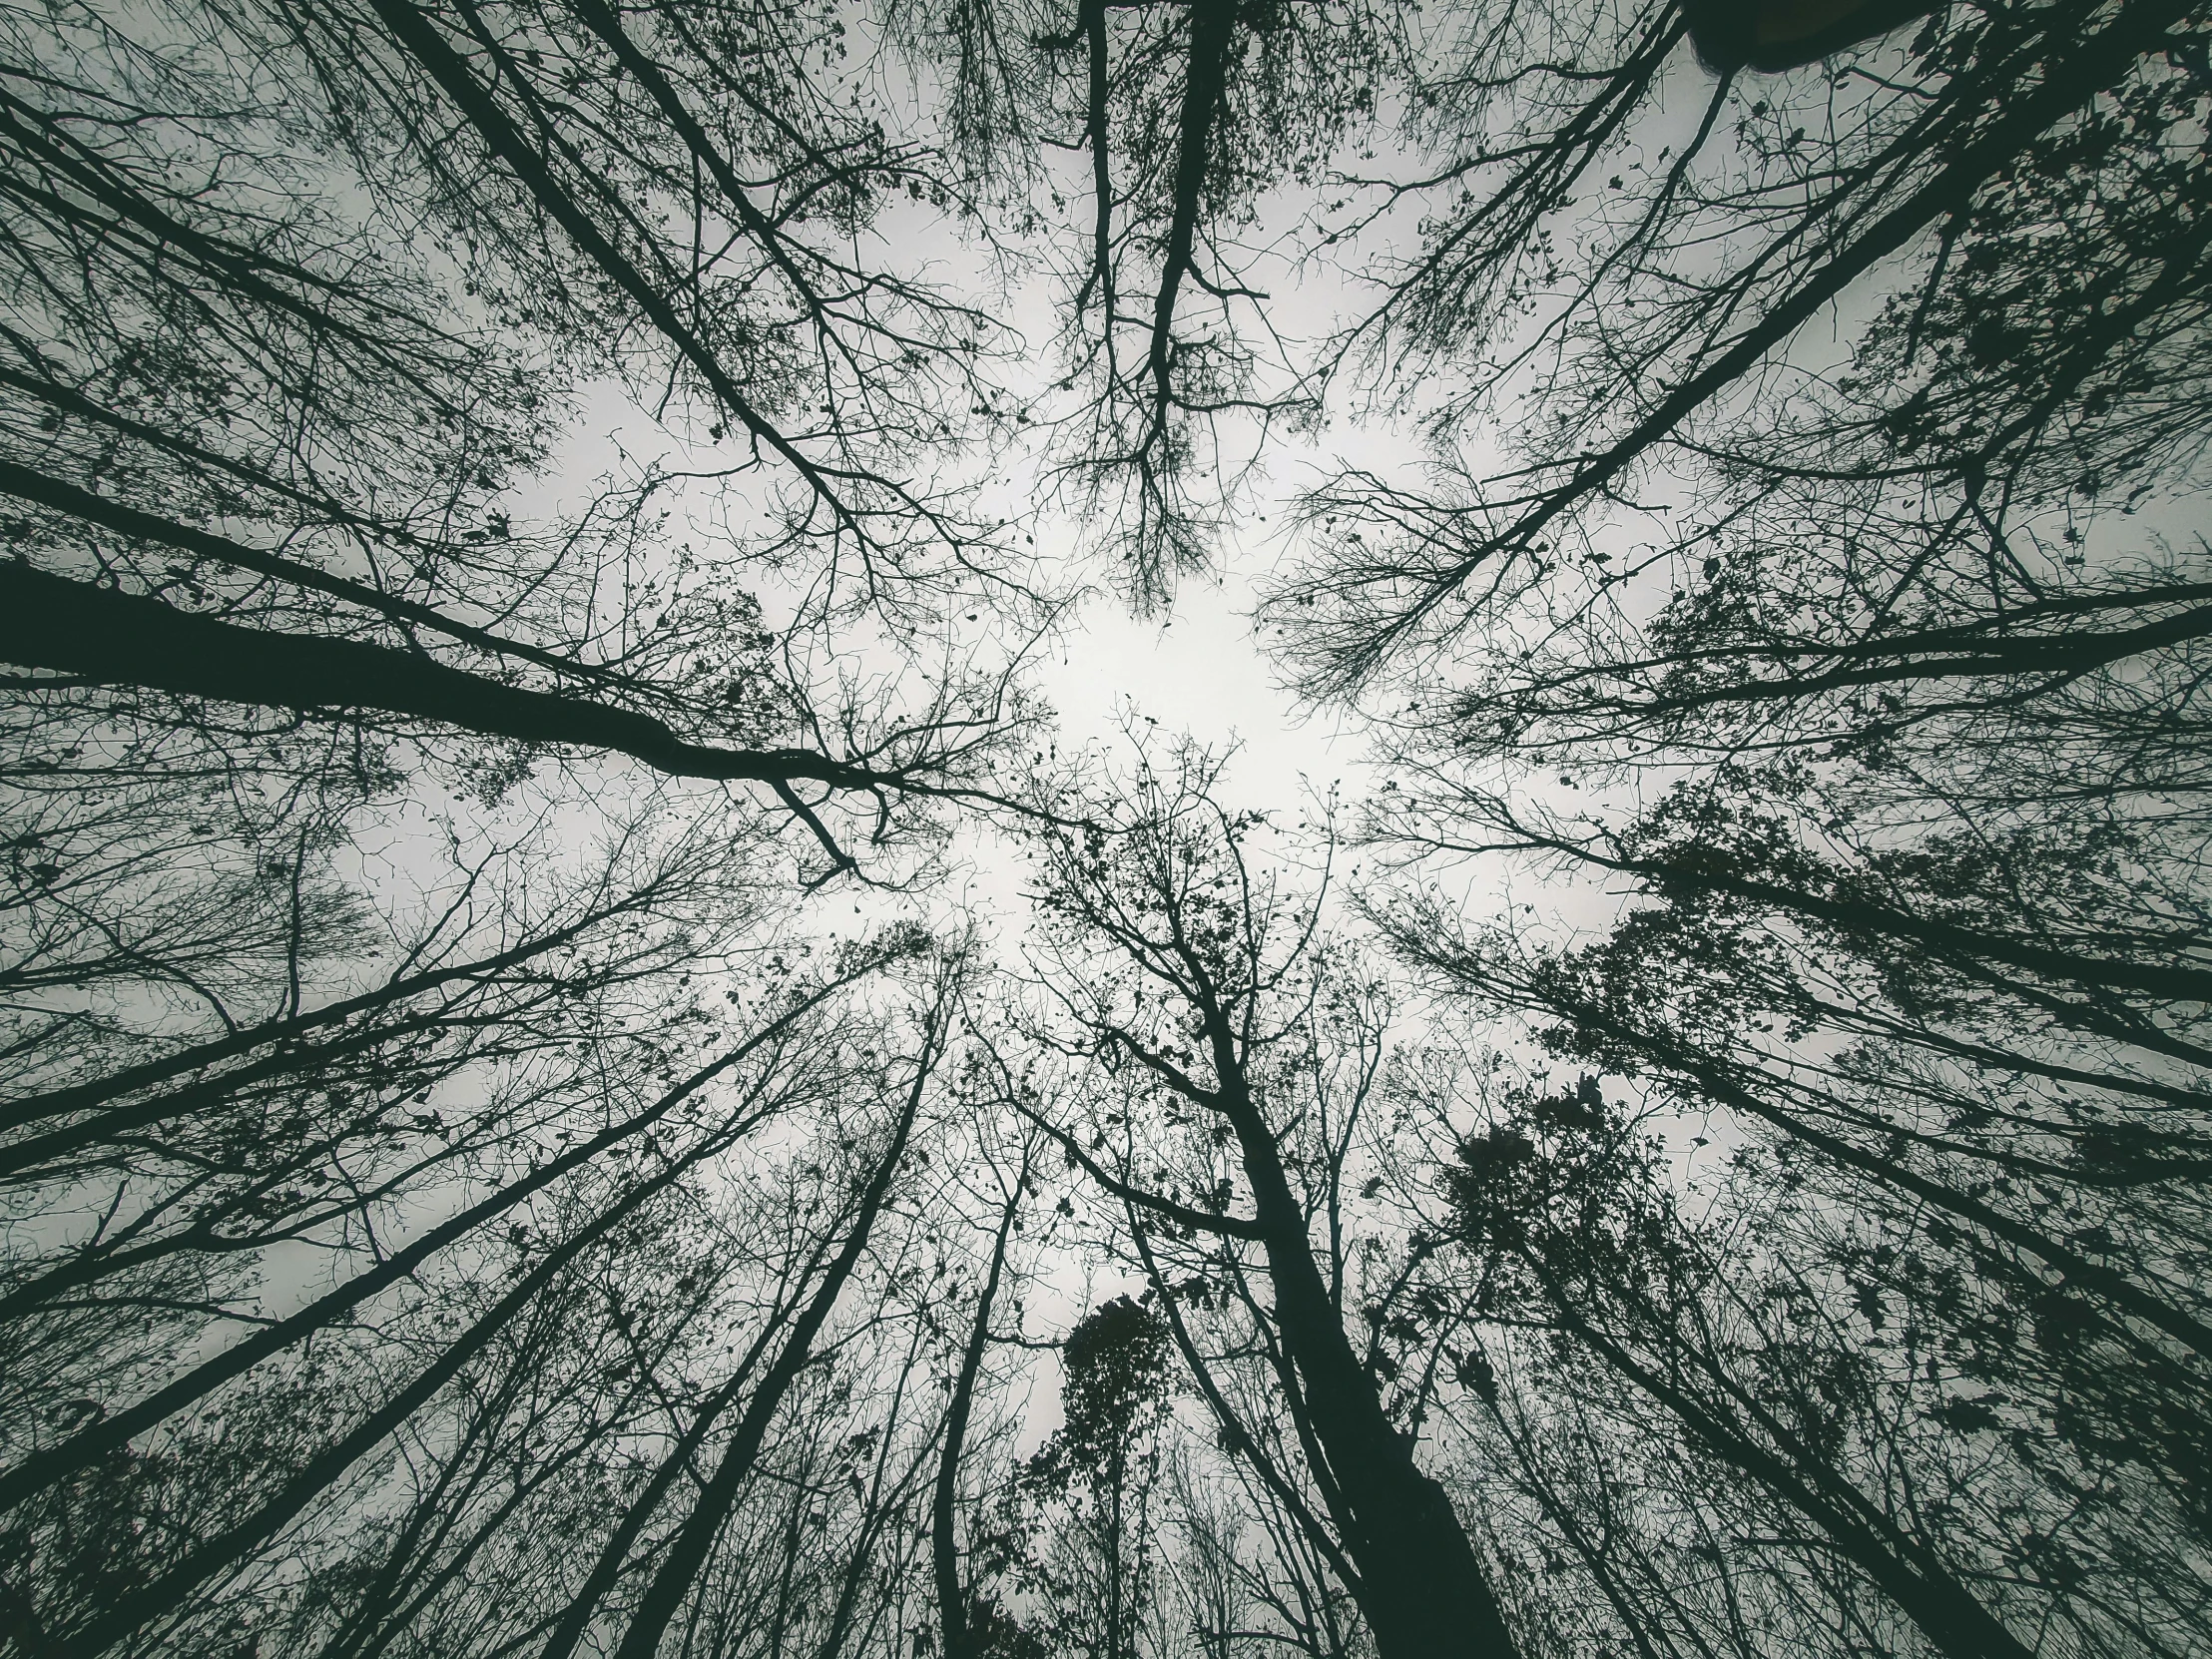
943,1546
27,485
1117,1476
1425,1593
1944,1610
687,1551
576,1618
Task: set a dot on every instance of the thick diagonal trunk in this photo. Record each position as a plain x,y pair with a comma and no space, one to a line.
688,1549
615,1552
1424,1592
1943,1609
114,637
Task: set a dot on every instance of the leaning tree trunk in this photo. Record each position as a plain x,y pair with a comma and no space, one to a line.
1425,1593
952,1601
687,1553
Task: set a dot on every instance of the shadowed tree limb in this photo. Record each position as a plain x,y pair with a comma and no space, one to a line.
107,636
27,485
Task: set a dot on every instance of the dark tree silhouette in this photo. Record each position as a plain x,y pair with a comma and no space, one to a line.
516,513
1183,971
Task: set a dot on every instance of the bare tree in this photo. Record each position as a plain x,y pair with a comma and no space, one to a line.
1185,117
1184,975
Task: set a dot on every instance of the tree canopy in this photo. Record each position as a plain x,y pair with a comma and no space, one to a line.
588,1065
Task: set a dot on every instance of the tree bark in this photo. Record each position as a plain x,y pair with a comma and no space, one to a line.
1425,1593
943,1546
687,1551
113,638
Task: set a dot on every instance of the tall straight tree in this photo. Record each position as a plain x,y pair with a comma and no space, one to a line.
1182,972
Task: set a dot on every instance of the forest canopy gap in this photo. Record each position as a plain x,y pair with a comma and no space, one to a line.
624,1031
